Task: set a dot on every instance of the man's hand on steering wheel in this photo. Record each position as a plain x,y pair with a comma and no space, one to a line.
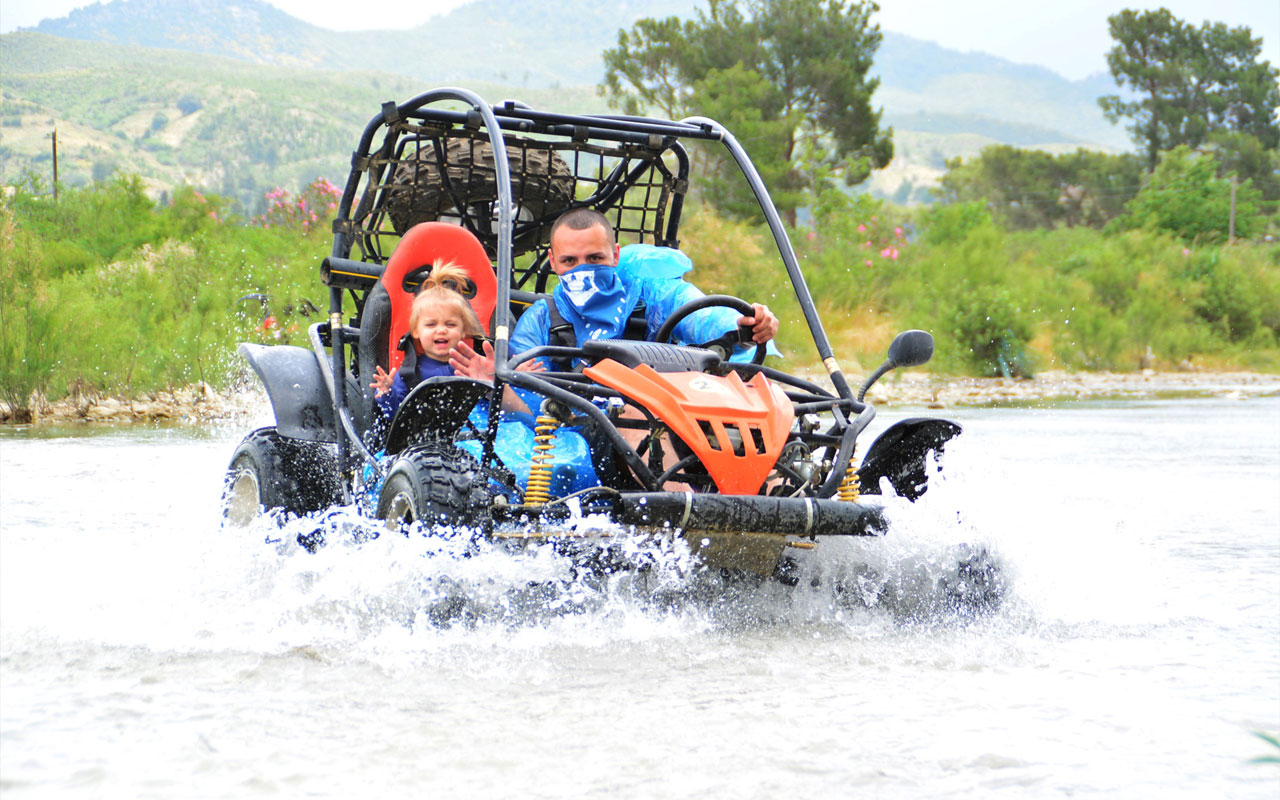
757,324
763,324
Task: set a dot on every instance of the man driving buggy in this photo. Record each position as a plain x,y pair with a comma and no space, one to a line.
600,286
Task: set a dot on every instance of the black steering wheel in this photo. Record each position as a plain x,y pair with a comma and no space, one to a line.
742,335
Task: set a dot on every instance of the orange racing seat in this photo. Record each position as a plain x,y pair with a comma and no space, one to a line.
421,246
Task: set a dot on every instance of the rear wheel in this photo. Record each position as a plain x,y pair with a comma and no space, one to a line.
269,472
435,483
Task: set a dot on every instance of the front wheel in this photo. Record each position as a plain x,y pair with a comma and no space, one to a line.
435,483
270,472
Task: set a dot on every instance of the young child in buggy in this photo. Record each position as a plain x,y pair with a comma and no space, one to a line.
441,318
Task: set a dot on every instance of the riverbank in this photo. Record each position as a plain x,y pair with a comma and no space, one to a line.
196,404
936,391
200,403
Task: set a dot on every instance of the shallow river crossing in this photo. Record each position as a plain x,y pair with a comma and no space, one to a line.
145,652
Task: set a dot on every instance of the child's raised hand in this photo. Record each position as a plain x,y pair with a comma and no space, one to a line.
381,382
468,363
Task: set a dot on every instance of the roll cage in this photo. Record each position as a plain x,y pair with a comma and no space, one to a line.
504,173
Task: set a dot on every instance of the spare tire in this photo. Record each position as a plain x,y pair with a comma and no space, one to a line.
541,186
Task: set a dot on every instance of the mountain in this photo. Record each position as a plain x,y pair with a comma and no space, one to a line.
536,43
922,78
551,43
217,123
236,96
249,31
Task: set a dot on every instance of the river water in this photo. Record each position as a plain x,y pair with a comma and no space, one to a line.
145,652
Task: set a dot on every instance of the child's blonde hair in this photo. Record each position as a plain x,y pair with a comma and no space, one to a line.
442,287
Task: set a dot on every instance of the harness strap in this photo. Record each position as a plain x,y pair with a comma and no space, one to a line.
409,367
560,333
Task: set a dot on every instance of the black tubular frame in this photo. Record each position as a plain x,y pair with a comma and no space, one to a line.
371,168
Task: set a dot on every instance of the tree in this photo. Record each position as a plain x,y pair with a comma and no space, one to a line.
1033,189
736,97
189,104
1190,82
1245,156
1186,198
791,72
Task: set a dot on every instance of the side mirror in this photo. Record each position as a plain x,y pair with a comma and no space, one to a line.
911,349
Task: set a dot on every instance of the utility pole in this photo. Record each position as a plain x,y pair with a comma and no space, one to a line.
55,165
1231,220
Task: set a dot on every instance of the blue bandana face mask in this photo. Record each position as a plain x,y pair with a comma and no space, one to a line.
595,300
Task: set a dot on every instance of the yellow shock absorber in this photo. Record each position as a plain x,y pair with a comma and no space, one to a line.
850,487
544,442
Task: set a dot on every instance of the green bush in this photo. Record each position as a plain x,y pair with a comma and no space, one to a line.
950,224
1186,198
156,306
109,289
1229,302
29,335
854,249
109,220
991,331
1090,337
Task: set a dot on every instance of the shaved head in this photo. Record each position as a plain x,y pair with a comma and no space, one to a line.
581,219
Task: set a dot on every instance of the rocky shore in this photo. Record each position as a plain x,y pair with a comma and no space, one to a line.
197,403
933,391
200,403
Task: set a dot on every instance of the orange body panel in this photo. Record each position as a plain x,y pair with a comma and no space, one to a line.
705,411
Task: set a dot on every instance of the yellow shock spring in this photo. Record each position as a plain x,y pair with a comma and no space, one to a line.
851,486
544,441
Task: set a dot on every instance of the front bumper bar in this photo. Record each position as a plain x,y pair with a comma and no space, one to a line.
718,513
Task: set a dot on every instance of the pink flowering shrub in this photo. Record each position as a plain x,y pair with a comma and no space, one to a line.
860,222
855,248
311,210
194,211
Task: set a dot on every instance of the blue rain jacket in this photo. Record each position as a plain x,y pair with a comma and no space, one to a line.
571,468
654,275
425,367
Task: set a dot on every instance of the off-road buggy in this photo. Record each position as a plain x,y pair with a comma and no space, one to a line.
742,459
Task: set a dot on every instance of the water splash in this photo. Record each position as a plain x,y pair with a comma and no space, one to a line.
367,582
167,574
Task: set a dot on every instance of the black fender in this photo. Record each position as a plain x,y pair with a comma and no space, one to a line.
436,408
295,383
899,455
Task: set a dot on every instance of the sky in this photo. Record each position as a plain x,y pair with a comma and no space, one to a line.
1067,36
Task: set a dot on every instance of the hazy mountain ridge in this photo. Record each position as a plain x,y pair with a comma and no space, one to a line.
173,117
549,43
248,30
918,77
538,43
113,78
